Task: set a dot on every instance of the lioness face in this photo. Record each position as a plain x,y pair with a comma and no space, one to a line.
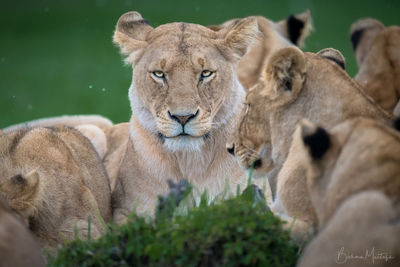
184,77
183,86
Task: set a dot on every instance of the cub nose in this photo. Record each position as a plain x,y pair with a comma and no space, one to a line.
231,150
257,164
183,119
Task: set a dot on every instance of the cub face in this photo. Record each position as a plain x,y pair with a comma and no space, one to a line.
251,143
280,88
184,81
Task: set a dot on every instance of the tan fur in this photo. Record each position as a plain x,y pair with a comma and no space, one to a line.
117,144
91,126
154,151
363,155
96,136
366,225
54,179
67,120
296,85
272,37
18,248
378,58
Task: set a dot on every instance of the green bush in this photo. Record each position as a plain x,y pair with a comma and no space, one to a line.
237,232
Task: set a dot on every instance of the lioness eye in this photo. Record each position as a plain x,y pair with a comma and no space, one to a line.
159,74
206,73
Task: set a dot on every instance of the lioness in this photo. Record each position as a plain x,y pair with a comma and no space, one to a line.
364,231
18,248
53,179
273,36
377,51
185,98
296,85
357,155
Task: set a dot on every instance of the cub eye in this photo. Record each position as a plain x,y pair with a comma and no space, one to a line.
159,74
206,73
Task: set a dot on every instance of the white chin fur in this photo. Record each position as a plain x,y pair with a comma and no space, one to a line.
184,144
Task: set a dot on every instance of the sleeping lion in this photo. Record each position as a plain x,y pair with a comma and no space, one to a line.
53,179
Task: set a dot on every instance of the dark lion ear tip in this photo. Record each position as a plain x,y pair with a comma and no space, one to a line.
396,123
333,55
355,38
318,142
295,26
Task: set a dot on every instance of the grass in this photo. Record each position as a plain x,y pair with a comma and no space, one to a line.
239,231
56,57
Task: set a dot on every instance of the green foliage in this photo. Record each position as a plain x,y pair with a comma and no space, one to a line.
237,232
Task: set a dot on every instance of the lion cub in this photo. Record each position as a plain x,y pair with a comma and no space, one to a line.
377,51
357,155
17,245
366,225
54,180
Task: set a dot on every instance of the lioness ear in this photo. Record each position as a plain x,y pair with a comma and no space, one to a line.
131,32
287,68
241,35
315,138
297,27
334,55
1,132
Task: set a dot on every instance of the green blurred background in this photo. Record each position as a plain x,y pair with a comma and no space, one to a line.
56,57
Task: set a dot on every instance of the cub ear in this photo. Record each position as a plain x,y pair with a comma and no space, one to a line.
241,35
287,67
1,132
131,32
24,185
358,27
297,27
315,138
334,55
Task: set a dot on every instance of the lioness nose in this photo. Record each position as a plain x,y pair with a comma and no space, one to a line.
183,119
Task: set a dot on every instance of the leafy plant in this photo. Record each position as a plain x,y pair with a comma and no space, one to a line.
240,231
